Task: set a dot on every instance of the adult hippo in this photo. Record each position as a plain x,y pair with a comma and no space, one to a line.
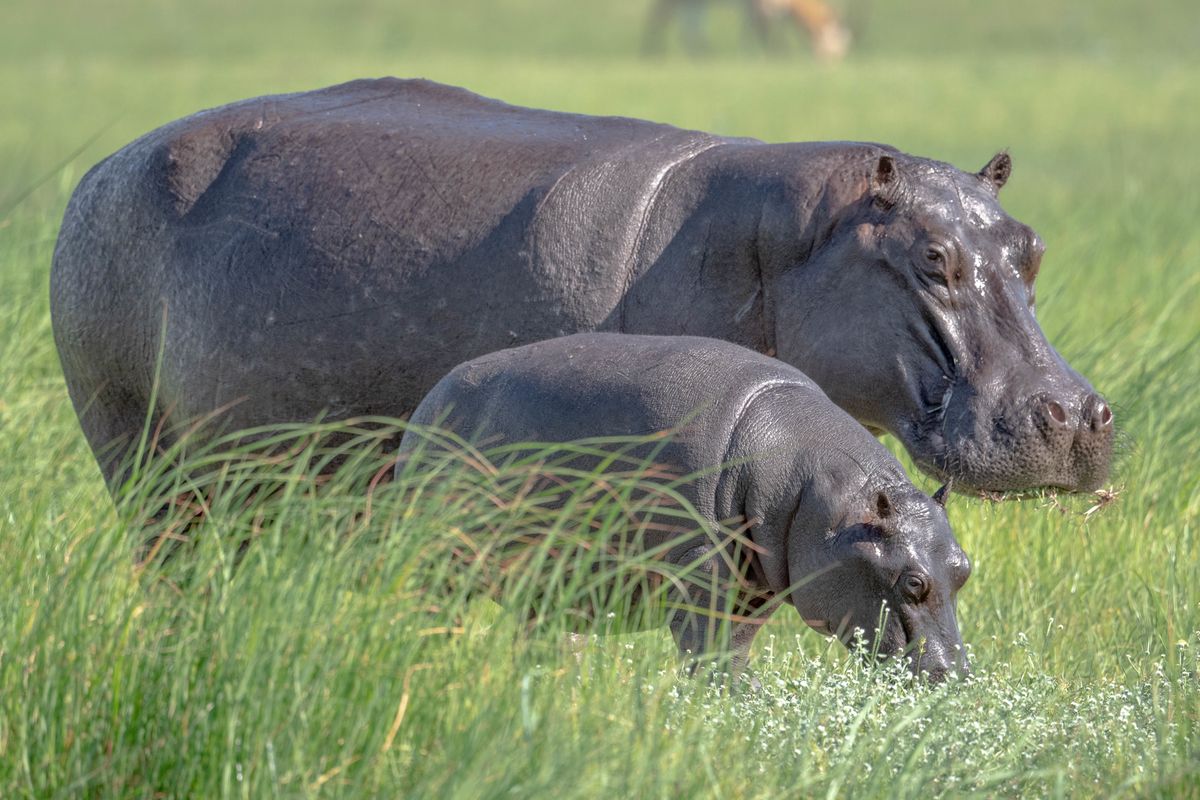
337,252
834,526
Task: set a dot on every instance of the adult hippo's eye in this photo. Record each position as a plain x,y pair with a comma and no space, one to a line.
937,262
914,586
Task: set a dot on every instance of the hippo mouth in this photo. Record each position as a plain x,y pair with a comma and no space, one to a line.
899,640
925,437
1013,434
920,655
911,645
1006,448
880,644
997,457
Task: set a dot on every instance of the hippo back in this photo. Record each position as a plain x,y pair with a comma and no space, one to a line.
719,402
601,385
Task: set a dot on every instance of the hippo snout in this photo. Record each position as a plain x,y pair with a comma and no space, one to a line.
1028,433
936,665
927,661
1078,432
926,658
1090,417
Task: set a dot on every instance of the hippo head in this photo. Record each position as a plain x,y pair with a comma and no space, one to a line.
914,311
891,569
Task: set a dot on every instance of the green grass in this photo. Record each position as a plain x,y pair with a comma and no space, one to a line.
316,668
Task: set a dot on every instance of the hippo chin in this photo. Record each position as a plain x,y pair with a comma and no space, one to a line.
335,253
835,527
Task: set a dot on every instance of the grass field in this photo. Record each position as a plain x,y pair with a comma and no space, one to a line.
313,670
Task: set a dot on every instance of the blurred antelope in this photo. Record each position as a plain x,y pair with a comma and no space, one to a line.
822,24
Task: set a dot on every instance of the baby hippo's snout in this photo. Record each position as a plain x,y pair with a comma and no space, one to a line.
928,641
936,662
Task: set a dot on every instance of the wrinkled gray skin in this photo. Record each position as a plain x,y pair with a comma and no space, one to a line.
337,252
825,499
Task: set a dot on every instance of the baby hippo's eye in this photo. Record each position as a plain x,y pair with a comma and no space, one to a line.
914,586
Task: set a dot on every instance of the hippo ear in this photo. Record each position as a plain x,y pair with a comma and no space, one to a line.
885,182
883,506
941,495
997,170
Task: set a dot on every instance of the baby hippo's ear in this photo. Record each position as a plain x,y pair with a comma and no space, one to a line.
943,494
883,509
883,506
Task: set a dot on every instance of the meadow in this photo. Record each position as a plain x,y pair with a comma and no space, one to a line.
312,664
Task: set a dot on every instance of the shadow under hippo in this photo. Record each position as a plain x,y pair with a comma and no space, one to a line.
334,253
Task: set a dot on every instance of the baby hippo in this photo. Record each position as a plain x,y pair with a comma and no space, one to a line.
834,526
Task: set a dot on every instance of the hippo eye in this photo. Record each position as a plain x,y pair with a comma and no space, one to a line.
914,586
937,258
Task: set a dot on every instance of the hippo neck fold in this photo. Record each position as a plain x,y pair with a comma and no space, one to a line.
809,466
725,224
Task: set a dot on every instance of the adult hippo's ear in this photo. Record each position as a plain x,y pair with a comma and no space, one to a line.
886,182
996,171
941,495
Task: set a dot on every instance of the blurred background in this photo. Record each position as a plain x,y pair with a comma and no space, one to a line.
949,78
1097,100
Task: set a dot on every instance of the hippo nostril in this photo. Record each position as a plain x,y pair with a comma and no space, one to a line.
1098,416
1056,412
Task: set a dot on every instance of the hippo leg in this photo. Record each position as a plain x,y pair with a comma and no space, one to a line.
114,423
121,434
713,620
